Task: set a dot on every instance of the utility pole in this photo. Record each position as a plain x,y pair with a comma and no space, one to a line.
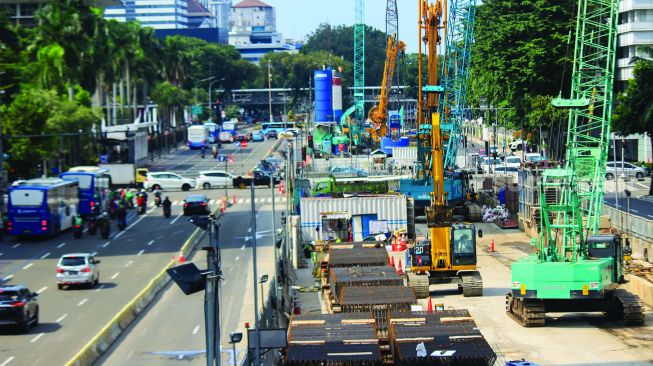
270,91
274,243
2,164
257,323
212,296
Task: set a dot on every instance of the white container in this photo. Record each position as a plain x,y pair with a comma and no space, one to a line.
391,208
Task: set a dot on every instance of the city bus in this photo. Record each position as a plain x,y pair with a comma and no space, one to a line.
198,136
94,183
214,131
276,126
229,126
42,207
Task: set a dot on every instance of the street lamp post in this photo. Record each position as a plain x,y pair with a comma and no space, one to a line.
210,90
270,91
235,337
264,279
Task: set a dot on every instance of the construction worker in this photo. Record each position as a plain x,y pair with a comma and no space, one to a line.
464,244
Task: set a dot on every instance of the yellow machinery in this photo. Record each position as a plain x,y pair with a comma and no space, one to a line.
378,114
449,255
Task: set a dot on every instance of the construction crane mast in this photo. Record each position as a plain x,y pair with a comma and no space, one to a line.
576,268
392,30
359,60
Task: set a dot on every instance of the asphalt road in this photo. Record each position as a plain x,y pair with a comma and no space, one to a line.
638,206
175,324
69,318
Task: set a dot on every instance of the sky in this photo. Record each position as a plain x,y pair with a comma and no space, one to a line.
297,18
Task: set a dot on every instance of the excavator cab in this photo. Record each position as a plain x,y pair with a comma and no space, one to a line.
463,245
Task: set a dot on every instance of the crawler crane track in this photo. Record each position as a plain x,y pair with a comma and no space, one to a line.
472,286
527,312
629,308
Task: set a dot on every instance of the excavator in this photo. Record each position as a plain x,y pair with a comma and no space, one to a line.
378,115
449,255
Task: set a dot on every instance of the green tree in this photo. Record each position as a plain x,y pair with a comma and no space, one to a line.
634,112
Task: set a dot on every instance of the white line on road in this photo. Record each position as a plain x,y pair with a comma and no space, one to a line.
119,234
152,210
129,263
115,275
99,288
82,302
141,252
7,278
15,246
176,218
196,329
61,318
150,242
28,265
249,230
243,247
106,244
7,361
61,245
635,211
42,289
37,337
93,254
237,258
43,256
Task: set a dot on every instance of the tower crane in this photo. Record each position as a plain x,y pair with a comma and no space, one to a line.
575,268
449,256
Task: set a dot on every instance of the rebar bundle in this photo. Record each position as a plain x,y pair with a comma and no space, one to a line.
341,277
357,254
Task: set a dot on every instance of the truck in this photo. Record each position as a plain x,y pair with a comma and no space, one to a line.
331,186
126,175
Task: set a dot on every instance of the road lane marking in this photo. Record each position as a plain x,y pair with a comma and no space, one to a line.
7,361
141,252
249,230
28,265
93,254
119,234
176,218
61,245
237,258
115,275
106,244
42,257
15,246
150,242
99,288
61,318
37,338
231,269
633,210
196,329
129,263
42,289
82,302
7,278
243,247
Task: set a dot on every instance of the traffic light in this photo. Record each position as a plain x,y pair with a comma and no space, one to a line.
303,153
310,141
487,148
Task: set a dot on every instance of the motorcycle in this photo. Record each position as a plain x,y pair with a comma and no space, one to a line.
141,205
77,231
92,225
105,228
157,201
122,219
167,211
113,209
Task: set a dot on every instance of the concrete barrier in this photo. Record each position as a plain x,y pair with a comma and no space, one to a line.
638,228
96,347
641,288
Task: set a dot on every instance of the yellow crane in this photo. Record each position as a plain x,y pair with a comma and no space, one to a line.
449,255
378,115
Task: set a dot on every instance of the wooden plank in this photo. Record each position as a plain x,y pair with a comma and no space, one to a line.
307,322
360,341
307,342
357,321
417,339
343,246
456,319
408,320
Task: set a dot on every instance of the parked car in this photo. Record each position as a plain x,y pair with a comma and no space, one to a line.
77,269
500,169
517,145
291,132
259,177
214,178
512,161
614,169
347,171
168,180
534,158
276,163
19,307
258,136
493,162
272,134
196,204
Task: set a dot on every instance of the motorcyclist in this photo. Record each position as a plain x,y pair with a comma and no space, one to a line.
157,197
167,206
129,197
122,214
78,226
104,224
203,150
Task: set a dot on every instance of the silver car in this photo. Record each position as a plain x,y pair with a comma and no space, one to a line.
614,169
77,269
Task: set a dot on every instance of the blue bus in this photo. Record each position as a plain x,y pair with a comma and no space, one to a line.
214,131
94,183
277,126
42,207
198,136
229,126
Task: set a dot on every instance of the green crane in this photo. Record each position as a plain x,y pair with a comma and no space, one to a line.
574,267
359,60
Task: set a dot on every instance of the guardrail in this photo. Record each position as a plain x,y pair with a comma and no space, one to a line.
638,228
96,347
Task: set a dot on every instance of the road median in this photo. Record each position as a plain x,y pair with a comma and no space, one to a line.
101,342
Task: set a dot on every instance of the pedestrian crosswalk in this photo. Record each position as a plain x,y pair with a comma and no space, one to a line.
238,201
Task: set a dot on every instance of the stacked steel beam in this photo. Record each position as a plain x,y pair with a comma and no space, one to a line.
447,337
379,300
341,277
332,340
357,254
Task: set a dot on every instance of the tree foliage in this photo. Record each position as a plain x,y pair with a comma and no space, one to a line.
521,52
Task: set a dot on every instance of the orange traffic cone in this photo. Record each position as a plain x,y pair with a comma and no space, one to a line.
429,306
182,259
392,261
400,270
492,246
234,200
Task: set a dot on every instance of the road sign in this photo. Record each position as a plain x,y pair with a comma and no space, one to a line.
104,159
237,144
197,110
243,144
222,158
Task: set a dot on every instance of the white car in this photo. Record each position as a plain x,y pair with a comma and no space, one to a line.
517,145
512,161
534,158
168,180
492,162
77,269
214,178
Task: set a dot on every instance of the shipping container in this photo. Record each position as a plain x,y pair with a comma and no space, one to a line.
367,215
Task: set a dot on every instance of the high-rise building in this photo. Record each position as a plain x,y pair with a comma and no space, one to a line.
22,11
220,10
158,14
635,31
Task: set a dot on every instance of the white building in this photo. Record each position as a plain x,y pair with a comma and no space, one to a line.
635,30
158,14
220,10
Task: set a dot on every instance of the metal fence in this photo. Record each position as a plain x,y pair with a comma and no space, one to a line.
638,228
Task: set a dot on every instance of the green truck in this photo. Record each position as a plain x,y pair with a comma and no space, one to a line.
331,186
